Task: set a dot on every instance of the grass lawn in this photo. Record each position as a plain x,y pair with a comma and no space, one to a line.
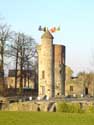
45,118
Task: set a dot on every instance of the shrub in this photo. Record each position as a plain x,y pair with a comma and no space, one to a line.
62,107
90,109
69,107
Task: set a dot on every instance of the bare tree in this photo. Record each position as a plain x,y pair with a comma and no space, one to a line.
23,51
4,38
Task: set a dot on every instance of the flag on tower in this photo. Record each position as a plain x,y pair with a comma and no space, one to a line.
58,28
54,29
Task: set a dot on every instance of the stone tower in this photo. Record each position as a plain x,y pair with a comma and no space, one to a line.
59,69
51,67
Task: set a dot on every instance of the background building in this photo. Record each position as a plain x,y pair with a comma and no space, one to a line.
28,79
29,83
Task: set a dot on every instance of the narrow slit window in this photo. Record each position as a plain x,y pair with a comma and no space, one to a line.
43,74
71,88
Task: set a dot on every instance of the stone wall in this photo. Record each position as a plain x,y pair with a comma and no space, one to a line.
31,106
45,106
77,89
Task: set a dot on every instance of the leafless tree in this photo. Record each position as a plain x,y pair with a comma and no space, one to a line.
23,51
5,34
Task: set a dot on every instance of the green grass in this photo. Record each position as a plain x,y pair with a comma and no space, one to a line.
45,118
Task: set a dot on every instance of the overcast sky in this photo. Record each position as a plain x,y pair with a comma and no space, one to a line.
75,17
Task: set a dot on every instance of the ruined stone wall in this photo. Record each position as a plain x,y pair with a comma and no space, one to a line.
46,106
30,106
77,89
91,89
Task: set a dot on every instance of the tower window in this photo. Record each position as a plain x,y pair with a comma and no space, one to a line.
71,88
43,74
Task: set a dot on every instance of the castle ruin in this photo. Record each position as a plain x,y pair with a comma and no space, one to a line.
51,67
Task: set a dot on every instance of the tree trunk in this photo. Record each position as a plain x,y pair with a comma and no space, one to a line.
2,64
25,78
28,73
16,71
